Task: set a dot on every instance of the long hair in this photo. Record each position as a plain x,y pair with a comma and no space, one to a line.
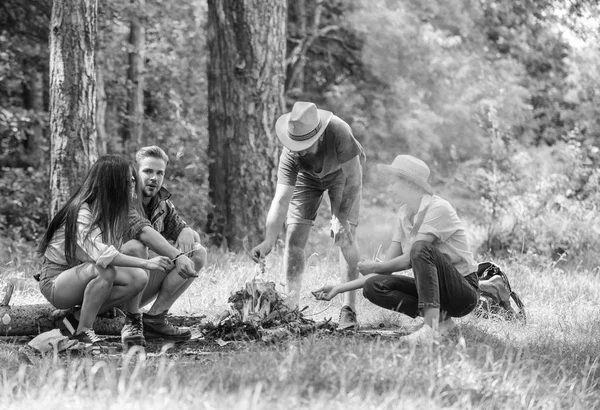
107,189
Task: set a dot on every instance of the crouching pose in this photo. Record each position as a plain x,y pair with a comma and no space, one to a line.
159,224
81,262
431,240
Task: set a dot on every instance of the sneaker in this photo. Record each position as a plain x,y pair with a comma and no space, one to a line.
157,326
70,323
347,319
132,333
425,336
87,341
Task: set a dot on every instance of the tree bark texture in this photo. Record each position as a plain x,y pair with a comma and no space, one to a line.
246,73
30,320
72,96
135,75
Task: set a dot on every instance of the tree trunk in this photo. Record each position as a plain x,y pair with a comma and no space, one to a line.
72,96
100,104
246,41
137,41
29,320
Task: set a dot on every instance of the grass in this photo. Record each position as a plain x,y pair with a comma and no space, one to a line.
553,362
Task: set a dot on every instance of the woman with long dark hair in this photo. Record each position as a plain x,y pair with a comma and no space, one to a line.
82,264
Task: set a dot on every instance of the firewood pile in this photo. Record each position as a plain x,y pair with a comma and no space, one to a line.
259,312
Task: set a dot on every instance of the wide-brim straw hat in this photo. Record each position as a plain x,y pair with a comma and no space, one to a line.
411,169
301,128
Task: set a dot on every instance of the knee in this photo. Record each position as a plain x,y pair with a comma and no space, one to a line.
297,236
420,248
369,288
135,248
139,280
199,257
108,274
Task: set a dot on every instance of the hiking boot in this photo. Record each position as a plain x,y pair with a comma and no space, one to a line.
157,326
88,342
70,323
347,319
132,333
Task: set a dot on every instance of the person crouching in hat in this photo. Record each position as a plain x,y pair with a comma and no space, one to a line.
320,154
430,239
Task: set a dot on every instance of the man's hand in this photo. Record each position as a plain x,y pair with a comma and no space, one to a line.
327,292
185,267
366,267
159,263
186,239
260,251
340,232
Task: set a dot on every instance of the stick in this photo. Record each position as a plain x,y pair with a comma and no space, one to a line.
8,291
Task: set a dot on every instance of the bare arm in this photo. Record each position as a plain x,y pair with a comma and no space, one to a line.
275,219
393,263
328,292
155,241
278,212
161,263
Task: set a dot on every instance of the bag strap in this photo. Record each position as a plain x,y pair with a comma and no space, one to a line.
419,222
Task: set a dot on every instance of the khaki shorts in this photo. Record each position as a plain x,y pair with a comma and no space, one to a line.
309,194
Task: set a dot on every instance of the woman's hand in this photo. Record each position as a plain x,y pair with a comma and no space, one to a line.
160,263
366,267
327,292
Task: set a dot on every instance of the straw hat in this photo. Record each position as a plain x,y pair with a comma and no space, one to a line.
301,128
411,169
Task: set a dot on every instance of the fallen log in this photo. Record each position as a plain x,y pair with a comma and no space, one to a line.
31,320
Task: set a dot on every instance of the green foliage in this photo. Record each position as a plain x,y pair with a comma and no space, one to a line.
542,202
24,208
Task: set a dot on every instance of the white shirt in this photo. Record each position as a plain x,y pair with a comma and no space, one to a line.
440,220
89,248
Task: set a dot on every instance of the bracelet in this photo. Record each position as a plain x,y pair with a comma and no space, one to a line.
175,258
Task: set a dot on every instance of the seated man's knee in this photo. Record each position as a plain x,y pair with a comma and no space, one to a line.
135,248
139,279
199,258
419,248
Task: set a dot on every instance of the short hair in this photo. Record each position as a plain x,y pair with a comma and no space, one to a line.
152,151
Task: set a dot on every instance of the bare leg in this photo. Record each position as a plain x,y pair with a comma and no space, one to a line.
348,261
96,289
171,287
431,317
293,260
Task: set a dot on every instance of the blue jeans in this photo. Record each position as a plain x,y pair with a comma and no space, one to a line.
436,284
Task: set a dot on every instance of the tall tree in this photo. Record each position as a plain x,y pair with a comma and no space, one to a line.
72,96
246,75
135,76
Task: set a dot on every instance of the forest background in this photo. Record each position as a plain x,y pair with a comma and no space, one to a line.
500,98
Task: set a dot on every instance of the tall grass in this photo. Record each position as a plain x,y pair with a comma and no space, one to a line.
553,362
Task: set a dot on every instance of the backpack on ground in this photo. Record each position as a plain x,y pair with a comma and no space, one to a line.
497,298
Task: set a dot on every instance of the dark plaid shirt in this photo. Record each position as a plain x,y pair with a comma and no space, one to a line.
160,214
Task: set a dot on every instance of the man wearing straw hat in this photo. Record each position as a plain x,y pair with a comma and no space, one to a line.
429,238
320,154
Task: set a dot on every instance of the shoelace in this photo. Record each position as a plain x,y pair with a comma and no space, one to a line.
137,326
91,335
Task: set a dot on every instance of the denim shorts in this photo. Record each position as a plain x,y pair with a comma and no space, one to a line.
50,271
308,195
